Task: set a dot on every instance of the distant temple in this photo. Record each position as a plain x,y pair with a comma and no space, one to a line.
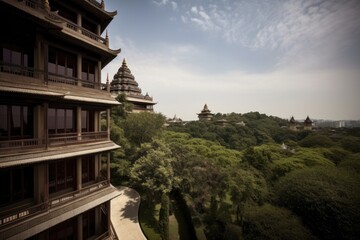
124,83
296,126
205,114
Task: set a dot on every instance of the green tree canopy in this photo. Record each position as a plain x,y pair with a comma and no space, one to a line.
142,127
327,199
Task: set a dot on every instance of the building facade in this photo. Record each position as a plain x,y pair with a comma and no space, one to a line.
55,120
124,83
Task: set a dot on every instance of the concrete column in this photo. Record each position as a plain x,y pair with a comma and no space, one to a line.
45,128
79,21
78,123
108,166
96,158
108,122
79,226
38,122
78,173
98,74
79,68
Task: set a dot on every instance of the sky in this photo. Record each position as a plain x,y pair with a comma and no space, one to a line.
279,57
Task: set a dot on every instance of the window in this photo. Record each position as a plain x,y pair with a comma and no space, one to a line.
88,71
16,122
62,175
61,120
88,169
87,121
17,184
89,223
61,63
89,25
16,57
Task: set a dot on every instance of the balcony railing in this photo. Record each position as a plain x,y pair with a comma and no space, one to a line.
22,143
8,146
19,213
79,193
19,72
82,30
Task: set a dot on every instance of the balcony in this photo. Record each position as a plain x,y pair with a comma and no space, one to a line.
19,73
53,140
13,215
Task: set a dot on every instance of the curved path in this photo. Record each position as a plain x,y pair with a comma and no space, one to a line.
124,215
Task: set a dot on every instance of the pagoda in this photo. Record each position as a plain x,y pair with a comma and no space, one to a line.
124,83
205,114
308,124
293,124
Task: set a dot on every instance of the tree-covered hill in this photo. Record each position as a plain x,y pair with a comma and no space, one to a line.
235,179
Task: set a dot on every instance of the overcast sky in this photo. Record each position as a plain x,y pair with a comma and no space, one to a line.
279,57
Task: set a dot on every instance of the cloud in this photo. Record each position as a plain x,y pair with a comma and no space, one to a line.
174,6
161,2
312,29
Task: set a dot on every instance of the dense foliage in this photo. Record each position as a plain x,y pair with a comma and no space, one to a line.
245,177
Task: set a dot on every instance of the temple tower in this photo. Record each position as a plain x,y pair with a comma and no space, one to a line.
205,114
124,83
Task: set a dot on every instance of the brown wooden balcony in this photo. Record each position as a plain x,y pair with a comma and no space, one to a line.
19,72
15,214
54,140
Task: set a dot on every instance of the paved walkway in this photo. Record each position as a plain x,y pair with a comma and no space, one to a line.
124,215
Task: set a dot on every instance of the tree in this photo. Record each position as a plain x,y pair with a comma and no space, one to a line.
164,217
326,198
142,127
270,222
153,173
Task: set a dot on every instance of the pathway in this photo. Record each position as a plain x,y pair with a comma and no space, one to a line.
124,215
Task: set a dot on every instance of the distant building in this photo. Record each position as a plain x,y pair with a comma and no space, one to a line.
124,83
205,114
307,125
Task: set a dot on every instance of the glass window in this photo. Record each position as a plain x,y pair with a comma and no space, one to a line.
69,120
17,184
62,63
16,121
6,55
3,121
